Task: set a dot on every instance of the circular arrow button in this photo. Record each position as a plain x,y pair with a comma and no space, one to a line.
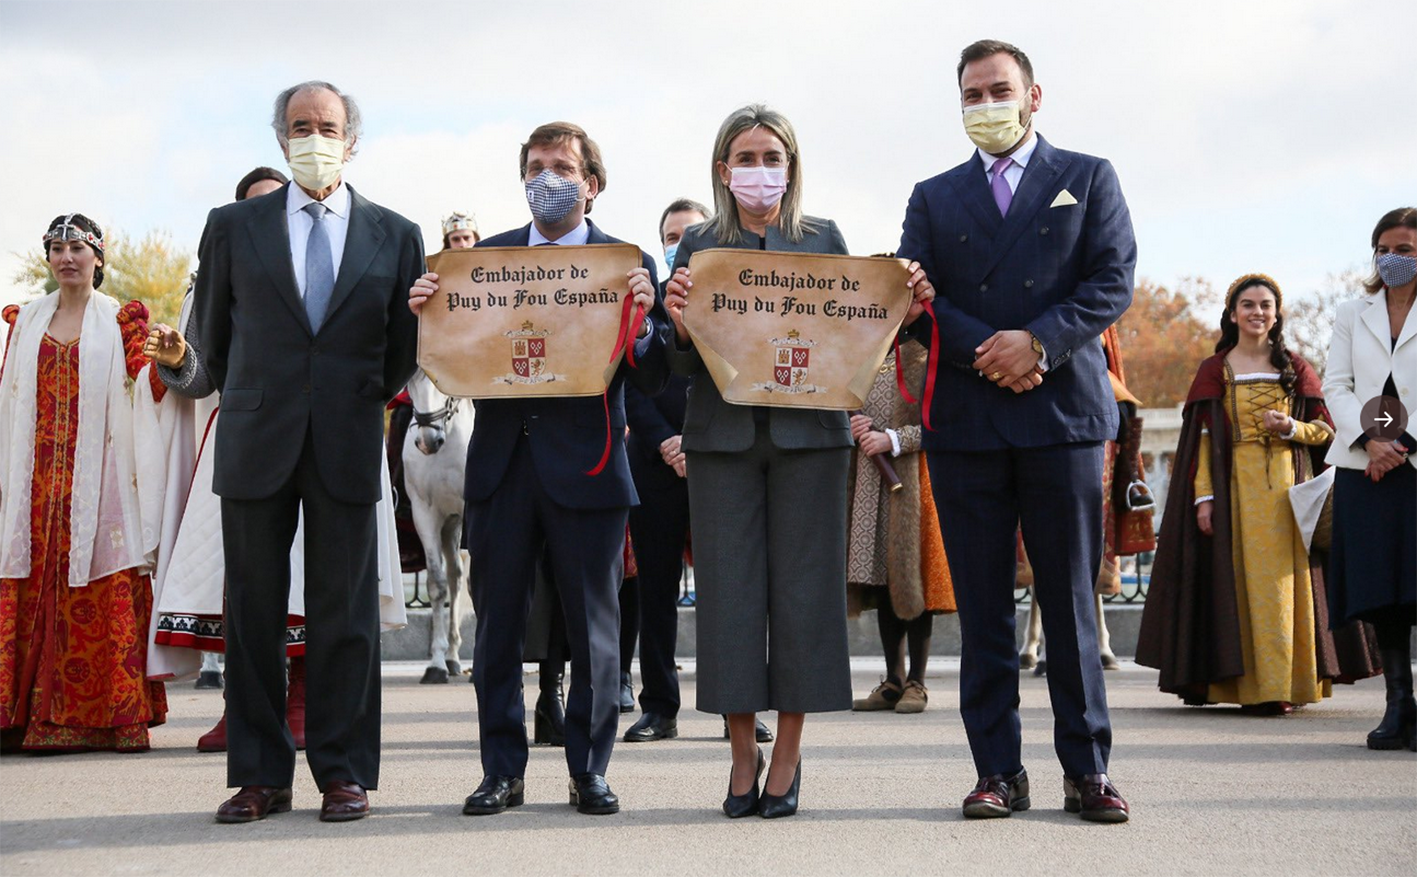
1384,418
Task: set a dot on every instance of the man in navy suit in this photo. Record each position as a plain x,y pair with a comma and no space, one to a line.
528,487
659,525
1031,253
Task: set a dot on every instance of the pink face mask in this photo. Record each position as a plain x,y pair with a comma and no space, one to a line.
758,189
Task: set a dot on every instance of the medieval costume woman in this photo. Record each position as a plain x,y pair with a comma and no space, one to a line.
81,490
895,557
1236,611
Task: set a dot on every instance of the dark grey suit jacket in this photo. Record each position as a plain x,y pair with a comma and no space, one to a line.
711,424
280,380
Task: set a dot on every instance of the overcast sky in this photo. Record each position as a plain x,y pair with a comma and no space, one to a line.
1248,136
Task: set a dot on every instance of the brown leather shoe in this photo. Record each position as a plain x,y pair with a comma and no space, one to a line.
254,802
343,802
998,795
1094,796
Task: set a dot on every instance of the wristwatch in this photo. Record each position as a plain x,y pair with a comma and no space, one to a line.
1037,345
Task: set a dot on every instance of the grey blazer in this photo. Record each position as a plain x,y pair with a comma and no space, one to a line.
711,424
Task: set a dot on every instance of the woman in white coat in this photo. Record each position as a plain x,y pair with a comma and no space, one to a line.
1370,385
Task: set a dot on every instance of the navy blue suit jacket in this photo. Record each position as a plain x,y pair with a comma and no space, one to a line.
1062,272
652,420
567,435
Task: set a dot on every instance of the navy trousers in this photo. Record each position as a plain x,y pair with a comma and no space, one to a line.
659,526
506,534
1054,494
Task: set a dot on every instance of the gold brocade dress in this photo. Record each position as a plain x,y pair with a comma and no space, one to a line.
1273,591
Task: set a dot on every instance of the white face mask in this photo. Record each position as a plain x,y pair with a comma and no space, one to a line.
994,128
315,161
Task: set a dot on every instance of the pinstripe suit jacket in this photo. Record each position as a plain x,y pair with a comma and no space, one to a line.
1059,267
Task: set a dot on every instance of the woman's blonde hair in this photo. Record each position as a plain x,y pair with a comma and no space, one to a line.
724,224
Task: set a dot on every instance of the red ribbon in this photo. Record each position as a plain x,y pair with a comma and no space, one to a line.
932,363
624,340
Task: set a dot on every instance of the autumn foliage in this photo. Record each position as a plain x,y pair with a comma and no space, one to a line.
1164,336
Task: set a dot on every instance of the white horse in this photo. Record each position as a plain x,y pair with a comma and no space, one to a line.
1033,637
434,459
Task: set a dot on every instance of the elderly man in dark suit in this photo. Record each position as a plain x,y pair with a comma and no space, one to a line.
1031,252
529,489
303,317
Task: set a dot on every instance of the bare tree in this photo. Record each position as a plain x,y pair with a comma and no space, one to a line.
1308,320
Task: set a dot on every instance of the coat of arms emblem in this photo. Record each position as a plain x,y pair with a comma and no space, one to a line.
791,358
529,357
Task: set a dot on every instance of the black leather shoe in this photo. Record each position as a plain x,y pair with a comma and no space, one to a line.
627,693
652,726
746,804
998,795
776,806
1095,798
494,795
591,794
761,732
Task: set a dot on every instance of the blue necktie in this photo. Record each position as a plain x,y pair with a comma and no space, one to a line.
319,267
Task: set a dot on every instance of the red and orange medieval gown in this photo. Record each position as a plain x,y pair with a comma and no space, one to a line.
73,660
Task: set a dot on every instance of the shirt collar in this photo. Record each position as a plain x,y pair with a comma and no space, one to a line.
337,202
1021,157
575,237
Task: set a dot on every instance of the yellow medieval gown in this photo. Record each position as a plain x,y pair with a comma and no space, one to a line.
1273,591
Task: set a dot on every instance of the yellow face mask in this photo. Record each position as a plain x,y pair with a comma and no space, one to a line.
994,128
315,161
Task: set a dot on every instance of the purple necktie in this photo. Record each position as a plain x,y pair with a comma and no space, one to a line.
1000,186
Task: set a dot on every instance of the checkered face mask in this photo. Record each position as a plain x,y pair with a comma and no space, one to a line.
551,197
1396,269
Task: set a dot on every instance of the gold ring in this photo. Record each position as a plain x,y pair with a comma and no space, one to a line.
995,376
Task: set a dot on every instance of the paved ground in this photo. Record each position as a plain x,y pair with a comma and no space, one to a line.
1212,792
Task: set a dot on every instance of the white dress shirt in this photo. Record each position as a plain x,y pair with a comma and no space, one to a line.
1014,173
299,222
576,237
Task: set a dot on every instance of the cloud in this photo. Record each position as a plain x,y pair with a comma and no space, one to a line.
1260,135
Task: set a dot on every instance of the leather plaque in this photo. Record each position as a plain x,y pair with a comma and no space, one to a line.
794,330
526,321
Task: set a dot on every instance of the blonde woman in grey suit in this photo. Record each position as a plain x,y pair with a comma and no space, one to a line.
767,492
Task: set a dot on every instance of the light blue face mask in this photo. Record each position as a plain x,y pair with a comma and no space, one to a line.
1396,269
551,197
669,253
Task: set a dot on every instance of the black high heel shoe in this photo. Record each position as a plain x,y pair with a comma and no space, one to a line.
736,806
775,806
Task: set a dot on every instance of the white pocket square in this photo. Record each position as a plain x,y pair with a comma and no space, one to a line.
1064,199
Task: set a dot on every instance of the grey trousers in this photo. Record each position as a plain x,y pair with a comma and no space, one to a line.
769,531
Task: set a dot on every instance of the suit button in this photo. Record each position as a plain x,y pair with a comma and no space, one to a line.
963,238
983,287
1028,284
305,389
314,350
1043,230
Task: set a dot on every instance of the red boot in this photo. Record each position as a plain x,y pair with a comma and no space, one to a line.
295,701
215,739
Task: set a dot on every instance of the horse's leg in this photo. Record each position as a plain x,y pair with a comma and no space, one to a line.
452,564
1104,640
426,522
1033,635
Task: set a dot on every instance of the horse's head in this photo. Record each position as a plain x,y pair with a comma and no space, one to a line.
431,410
